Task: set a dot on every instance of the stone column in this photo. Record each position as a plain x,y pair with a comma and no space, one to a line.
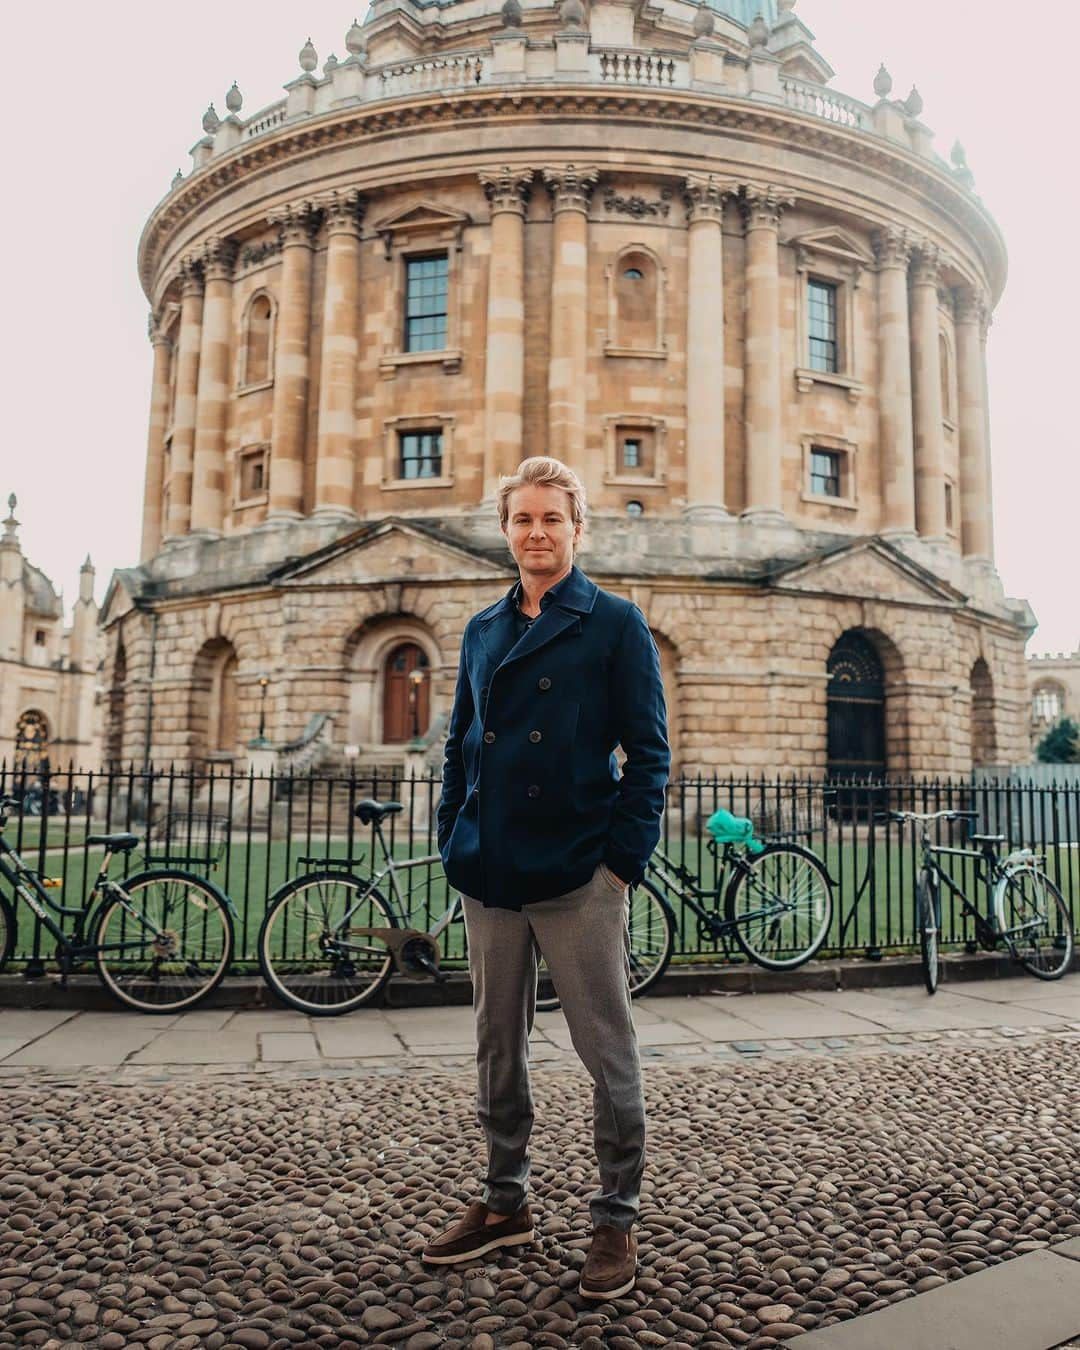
762,208
571,188
893,248
212,404
926,395
288,432
976,517
187,383
152,523
705,349
504,369
335,465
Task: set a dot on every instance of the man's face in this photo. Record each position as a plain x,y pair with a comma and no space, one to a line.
540,531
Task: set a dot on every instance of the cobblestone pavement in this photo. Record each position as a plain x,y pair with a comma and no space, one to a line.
787,1190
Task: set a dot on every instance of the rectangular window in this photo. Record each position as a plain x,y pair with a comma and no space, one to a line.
426,284
631,453
252,472
825,468
420,454
821,298
950,516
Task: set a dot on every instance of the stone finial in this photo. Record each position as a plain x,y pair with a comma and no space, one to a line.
704,21
785,6
354,39
758,32
330,64
178,178
11,524
309,57
511,14
87,566
572,14
882,82
234,99
210,121
958,155
913,103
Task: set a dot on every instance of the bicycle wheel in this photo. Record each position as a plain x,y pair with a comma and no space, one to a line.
928,911
651,930
1034,920
165,942
7,930
310,951
780,905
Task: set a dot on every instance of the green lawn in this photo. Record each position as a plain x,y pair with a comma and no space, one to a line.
250,874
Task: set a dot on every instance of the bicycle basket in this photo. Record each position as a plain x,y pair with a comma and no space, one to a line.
183,839
789,815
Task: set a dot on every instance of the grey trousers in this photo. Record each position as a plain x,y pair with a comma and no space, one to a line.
584,937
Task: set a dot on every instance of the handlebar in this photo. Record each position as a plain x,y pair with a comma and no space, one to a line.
901,817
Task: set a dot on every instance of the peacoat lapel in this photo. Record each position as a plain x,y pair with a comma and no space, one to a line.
575,598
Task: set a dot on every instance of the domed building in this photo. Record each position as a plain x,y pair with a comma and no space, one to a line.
749,310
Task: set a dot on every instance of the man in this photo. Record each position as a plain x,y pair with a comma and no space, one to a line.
542,837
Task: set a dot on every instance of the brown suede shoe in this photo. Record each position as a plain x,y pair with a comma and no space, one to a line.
472,1236
611,1266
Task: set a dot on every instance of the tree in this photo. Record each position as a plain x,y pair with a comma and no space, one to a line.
1061,744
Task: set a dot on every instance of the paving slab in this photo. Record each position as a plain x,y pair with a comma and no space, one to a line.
1030,1303
82,1046
293,1046
9,1044
356,1038
185,1047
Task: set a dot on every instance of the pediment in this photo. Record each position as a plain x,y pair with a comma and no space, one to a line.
834,243
393,550
423,216
869,570
119,600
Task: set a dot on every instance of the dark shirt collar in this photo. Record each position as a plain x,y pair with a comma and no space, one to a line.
548,598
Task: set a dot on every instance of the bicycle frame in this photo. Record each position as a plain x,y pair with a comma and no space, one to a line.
731,862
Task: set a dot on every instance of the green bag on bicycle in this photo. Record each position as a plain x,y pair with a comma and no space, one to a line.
728,829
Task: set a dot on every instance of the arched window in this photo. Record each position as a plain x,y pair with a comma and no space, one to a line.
213,701
635,304
406,693
1048,702
983,735
257,341
31,740
855,700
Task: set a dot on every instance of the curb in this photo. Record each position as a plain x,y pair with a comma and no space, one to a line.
85,993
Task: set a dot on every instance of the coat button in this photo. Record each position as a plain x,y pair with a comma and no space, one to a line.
543,682
483,691
534,736
489,736
534,790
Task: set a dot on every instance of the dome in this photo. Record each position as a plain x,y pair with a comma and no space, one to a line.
746,11
41,597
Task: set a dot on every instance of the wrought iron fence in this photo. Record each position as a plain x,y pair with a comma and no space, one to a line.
253,833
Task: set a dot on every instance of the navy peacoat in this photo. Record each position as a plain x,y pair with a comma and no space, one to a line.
532,797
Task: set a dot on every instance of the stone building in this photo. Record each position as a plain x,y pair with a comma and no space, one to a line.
749,310
49,691
1054,683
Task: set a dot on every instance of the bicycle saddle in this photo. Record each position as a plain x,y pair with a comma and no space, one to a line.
369,809
115,843
986,838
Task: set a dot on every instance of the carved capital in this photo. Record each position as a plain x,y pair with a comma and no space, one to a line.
191,275
704,197
507,189
218,256
972,305
926,265
763,204
892,247
155,330
570,186
297,222
343,210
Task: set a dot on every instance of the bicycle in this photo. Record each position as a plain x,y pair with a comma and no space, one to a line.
1023,901
161,941
777,900
330,939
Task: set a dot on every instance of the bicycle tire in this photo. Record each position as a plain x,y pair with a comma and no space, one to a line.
651,927
205,937
7,930
1062,942
327,986
929,918
822,902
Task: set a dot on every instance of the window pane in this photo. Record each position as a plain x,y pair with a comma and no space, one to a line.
631,454
825,473
426,283
420,454
822,326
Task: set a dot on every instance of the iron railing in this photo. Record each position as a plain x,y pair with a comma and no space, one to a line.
251,833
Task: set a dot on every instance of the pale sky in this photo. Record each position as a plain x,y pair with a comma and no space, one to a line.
104,102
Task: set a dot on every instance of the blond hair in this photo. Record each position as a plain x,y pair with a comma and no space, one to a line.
542,471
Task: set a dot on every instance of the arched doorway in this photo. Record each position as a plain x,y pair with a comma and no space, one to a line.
983,735
406,694
855,700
